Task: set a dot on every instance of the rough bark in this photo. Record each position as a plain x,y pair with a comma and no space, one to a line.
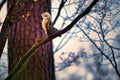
25,29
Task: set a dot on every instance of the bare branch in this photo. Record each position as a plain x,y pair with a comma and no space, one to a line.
96,46
2,3
6,28
59,10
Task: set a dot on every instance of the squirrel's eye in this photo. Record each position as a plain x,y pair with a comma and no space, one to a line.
45,15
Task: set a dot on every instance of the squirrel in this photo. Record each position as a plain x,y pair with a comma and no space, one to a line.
48,29
46,22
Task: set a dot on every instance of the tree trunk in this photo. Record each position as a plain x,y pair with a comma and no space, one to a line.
25,29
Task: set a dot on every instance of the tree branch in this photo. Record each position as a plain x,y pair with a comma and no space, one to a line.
59,10
44,40
2,3
5,29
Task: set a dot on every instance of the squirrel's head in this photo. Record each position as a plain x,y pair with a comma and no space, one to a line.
45,15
